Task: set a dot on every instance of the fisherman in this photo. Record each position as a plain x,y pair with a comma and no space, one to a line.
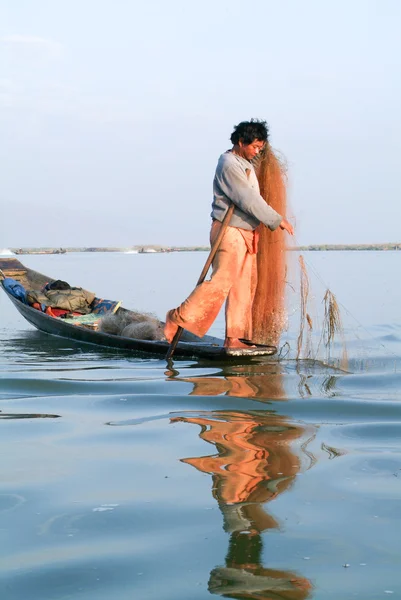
234,275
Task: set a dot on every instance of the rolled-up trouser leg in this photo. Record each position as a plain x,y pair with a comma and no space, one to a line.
197,313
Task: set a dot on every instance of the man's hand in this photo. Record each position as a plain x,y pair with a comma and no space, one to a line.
287,226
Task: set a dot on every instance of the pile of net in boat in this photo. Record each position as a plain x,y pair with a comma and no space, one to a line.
132,324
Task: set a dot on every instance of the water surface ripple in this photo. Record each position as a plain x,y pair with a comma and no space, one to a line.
269,480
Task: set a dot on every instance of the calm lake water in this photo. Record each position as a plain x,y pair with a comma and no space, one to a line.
266,480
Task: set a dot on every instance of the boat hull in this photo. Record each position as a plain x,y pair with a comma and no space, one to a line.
189,347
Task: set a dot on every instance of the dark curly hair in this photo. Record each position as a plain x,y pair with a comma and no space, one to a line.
249,131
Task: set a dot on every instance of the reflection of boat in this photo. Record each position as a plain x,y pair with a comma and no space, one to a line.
189,346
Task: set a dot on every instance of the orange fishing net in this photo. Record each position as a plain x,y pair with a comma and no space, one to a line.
268,311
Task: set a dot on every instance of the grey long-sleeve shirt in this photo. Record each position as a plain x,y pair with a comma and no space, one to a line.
235,182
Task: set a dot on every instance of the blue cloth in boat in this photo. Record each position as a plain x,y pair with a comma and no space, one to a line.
100,306
15,289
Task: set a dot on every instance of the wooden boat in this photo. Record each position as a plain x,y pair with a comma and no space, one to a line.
190,345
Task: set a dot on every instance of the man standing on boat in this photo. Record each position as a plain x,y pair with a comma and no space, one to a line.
234,275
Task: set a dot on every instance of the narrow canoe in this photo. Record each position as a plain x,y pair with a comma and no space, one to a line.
190,345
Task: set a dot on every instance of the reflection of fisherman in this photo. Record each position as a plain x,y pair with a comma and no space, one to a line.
261,381
244,576
253,465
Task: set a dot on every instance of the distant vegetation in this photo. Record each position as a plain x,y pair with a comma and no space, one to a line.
324,247
156,248
139,249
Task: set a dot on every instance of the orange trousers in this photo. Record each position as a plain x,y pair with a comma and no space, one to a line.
234,279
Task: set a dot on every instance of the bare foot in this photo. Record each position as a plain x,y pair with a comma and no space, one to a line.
170,328
235,343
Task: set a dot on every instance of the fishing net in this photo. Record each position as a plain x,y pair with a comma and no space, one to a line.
268,310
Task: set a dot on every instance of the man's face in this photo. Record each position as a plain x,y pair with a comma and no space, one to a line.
249,151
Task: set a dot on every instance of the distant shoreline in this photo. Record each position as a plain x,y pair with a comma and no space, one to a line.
151,249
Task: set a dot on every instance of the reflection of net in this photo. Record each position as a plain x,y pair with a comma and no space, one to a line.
268,313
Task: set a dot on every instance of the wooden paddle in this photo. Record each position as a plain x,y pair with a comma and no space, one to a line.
202,276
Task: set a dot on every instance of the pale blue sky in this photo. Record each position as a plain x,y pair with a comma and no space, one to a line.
113,115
